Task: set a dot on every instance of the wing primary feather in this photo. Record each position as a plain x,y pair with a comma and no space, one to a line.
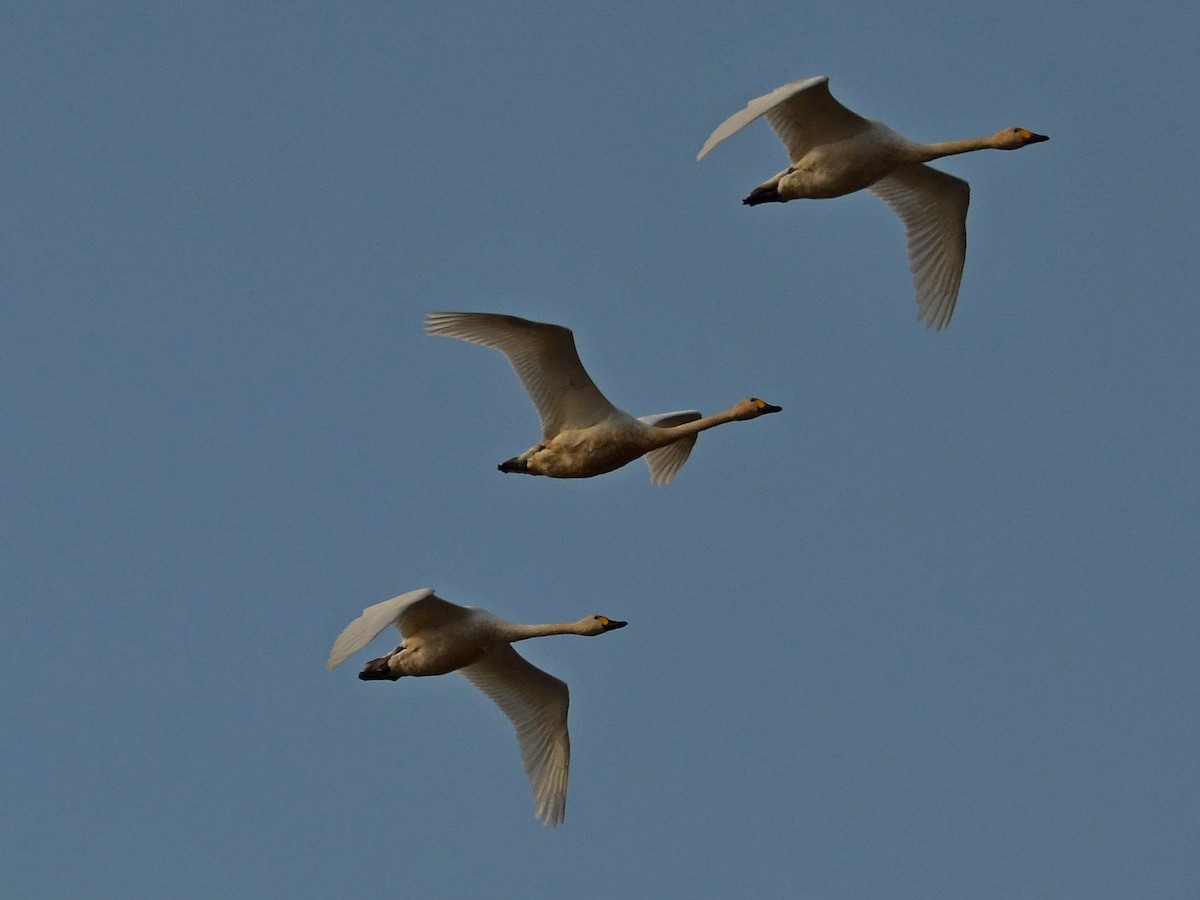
932,206
536,703
545,359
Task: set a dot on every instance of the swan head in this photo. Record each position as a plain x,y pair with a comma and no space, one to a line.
1014,138
752,408
593,625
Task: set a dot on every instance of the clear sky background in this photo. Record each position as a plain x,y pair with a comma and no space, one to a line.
929,632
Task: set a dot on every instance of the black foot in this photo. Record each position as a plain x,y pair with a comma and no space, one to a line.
762,195
377,670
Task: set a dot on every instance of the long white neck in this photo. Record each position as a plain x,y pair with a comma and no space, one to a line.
953,148
660,436
515,631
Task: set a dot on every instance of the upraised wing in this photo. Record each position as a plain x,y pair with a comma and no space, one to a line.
409,612
666,461
803,114
933,207
536,704
544,358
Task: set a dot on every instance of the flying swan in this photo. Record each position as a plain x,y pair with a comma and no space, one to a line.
835,151
441,637
582,433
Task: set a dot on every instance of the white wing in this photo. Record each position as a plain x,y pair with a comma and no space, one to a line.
933,207
536,703
375,618
803,114
544,358
666,461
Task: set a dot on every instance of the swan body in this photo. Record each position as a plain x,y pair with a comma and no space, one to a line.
583,434
440,637
835,151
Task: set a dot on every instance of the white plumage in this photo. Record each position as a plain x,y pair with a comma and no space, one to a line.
583,434
441,637
835,151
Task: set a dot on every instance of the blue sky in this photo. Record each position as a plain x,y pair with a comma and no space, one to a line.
929,632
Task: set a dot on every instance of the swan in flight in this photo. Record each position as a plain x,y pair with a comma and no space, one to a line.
835,151
582,433
440,637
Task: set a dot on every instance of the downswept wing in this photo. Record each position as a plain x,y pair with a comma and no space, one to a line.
803,114
544,358
933,207
536,704
666,461
408,612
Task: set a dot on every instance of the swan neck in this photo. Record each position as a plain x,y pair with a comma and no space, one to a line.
519,632
699,425
953,148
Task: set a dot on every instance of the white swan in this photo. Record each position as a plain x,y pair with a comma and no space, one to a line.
835,151
582,433
441,637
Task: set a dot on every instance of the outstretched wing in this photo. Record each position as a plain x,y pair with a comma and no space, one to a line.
536,704
409,612
933,207
803,114
666,461
545,359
